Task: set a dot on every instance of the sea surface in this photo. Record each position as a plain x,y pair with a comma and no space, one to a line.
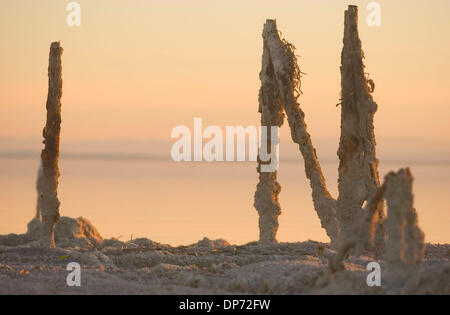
180,203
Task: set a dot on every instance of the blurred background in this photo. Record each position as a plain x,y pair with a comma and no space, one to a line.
135,69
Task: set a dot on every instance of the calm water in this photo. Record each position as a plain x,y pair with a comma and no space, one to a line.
179,203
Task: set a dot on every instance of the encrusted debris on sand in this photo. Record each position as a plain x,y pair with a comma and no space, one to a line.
142,266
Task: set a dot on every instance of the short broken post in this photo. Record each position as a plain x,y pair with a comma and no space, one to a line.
405,240
47,185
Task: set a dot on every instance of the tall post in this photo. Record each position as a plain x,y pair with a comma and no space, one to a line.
268,188
287,74
48,202
358,167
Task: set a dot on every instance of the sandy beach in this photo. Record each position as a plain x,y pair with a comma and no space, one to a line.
143,266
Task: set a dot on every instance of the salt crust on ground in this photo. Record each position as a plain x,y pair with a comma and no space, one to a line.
142,266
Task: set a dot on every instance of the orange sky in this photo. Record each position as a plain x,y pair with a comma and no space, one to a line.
135,69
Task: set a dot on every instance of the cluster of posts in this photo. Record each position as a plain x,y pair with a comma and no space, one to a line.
356,219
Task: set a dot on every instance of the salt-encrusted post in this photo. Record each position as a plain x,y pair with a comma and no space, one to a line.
358,167
287,75
268,188
405,240
48,202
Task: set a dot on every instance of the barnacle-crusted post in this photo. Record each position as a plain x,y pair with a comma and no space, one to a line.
287,74
405,240
358,166
48,203
268,188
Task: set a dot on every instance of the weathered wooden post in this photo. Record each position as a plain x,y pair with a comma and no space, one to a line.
405,240
268,188
282,86
47,184
358,167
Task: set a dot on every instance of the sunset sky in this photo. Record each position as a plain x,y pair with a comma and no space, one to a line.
136,69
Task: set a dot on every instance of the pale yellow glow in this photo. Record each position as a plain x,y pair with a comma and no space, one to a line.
137,68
